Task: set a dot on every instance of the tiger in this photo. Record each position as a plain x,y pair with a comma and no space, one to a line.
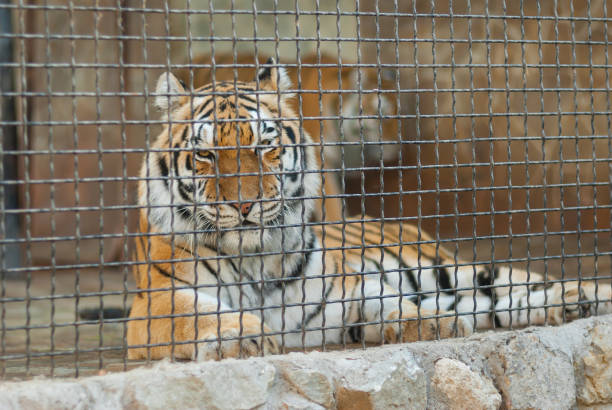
354,107
228,263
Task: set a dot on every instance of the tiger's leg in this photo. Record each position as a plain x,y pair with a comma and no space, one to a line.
555,303
219,335
405,324
505,296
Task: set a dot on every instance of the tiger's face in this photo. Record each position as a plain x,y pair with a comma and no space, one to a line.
228,163
237,164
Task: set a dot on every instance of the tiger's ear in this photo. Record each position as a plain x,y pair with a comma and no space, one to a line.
272,77
170,93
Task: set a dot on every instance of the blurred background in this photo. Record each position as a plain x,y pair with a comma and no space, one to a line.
504,116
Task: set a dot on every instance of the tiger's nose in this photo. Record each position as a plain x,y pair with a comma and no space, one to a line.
244,207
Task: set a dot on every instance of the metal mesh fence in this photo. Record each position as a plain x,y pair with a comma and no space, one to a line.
462,149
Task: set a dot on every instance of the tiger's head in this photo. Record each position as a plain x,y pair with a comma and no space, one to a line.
231,163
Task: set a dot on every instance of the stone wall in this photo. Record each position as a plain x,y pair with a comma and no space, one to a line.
554,367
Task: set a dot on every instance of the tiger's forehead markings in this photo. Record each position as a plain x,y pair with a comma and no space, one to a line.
217,121
262,123
203,132
246,93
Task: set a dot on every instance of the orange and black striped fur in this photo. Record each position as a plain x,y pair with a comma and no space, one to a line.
229,263
350,112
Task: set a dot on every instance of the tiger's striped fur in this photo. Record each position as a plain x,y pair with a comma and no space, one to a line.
228,258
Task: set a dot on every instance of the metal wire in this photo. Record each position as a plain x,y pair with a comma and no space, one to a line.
486,126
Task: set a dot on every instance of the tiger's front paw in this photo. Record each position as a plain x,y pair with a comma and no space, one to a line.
234,340
413,330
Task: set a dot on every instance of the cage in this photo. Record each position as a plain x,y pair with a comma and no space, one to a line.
467,141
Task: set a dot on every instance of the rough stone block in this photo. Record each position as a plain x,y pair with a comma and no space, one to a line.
312,384
529,375
594,368
385,379
454,387
377,378
236,384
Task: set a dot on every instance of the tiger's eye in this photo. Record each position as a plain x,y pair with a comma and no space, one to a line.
204,155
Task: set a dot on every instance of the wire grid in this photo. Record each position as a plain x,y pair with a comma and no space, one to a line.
501,151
